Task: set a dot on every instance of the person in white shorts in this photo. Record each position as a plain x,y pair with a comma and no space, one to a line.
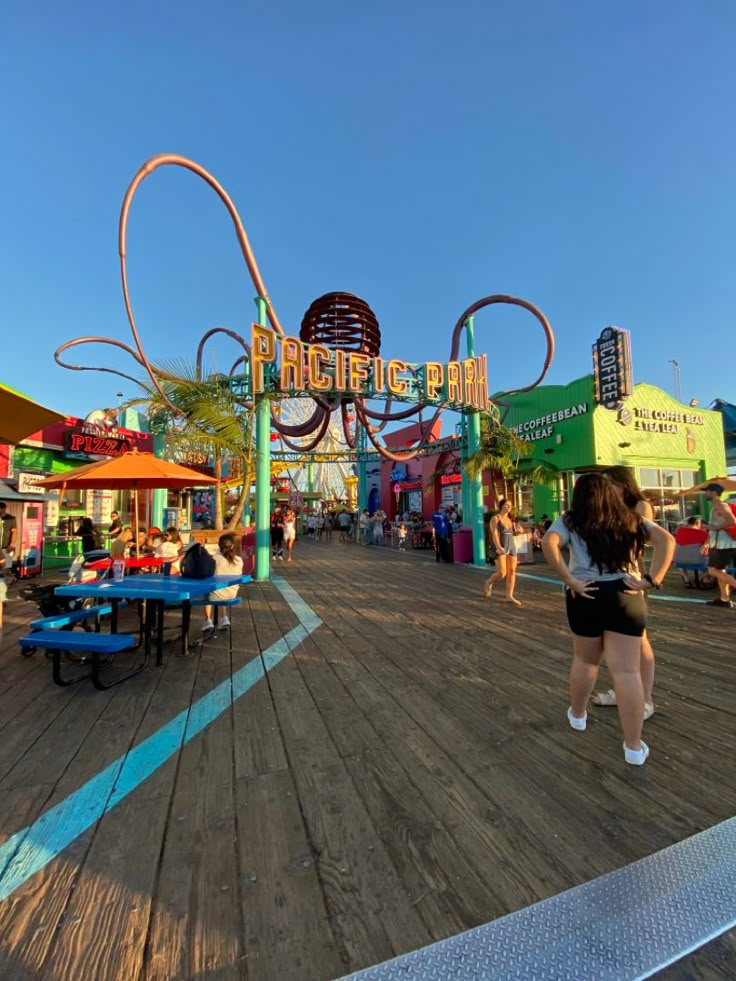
289,533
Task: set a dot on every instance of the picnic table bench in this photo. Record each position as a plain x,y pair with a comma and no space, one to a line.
94,644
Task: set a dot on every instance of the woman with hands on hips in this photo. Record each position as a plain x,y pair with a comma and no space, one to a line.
604,598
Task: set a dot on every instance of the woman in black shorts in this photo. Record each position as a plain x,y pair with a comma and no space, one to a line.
605,598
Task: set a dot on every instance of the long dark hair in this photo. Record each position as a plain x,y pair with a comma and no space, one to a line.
613,534
625,480
226,544
510,515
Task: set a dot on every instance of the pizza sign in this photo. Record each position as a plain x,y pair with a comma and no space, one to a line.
96,445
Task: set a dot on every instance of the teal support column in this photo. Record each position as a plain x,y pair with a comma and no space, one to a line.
465,485
160,496
310,477
361,443
475,484
263,472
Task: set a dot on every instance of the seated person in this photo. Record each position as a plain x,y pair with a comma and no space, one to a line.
170,548
689,539
226,563
126,536
117,549
692,532
143,545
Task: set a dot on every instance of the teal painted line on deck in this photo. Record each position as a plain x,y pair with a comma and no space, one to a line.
30,849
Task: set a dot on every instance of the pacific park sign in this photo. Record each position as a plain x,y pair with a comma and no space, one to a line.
288,365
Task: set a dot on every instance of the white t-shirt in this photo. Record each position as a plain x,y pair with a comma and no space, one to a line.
581,565
225,568
168,550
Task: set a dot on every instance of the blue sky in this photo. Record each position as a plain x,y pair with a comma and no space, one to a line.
421,155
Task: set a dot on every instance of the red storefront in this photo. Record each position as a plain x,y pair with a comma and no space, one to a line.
64,446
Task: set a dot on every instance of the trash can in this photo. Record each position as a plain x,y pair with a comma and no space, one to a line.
462,544
248,546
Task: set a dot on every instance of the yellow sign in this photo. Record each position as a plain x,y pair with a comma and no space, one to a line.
315,368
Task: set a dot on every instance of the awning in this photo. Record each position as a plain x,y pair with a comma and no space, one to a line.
20,416
8,493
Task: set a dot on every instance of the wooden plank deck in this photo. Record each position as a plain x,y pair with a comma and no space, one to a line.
405,773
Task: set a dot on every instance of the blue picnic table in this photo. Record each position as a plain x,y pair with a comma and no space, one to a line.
158,591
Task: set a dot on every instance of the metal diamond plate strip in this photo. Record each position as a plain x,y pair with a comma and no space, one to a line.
619,927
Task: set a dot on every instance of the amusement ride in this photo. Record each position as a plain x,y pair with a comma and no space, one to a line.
320,419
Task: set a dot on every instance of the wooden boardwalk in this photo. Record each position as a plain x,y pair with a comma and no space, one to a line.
404,774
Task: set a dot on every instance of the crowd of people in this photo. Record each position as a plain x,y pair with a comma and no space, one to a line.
351,526
603,534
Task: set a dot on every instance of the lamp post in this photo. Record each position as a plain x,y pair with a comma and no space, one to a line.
676,378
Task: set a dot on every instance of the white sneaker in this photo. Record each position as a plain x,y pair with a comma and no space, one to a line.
577,723
281,558
225,622
637,757
208,625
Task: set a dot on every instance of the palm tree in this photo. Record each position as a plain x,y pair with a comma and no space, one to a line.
207,419
502,452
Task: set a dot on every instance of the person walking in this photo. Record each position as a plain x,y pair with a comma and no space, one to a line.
604,598
277,534
8,532
503,528
402,536
377,527
630,493
289,533
721,547
442,531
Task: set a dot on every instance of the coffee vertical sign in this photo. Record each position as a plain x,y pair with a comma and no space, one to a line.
612,372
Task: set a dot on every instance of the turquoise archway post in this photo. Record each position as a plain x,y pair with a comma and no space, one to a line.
475,484
263,471
465,485
160,496
362,444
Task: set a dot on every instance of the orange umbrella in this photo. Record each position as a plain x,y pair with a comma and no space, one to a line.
727,483
20,416
129,471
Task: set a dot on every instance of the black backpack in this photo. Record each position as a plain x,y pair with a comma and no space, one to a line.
197,563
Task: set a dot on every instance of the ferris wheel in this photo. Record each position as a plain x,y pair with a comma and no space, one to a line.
330,459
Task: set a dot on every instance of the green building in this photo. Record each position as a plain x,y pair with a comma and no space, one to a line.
669,446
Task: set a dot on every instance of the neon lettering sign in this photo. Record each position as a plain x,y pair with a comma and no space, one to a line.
311,368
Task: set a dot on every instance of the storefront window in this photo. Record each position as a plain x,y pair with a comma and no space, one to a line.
664,491
525,501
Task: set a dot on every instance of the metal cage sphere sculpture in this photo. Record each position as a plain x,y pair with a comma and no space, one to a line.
337,320
342,321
